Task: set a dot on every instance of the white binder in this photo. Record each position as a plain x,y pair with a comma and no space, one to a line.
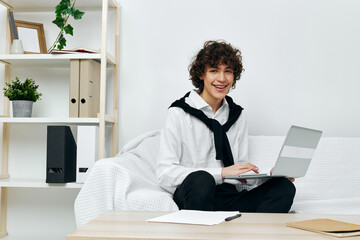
87,150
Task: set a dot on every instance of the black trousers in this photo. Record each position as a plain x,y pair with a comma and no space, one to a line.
199,192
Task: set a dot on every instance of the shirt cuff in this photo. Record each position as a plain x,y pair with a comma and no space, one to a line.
216,173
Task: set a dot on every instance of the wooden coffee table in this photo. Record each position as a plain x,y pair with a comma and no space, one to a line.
132,225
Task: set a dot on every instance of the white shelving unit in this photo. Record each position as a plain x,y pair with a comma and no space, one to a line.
68,121
50,60
35,183
31,61
48,5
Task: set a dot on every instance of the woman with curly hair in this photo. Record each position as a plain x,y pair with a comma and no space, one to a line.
204,139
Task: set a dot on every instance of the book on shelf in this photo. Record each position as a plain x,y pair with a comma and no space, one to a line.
328,226
60,155
87,151
75,50
13,28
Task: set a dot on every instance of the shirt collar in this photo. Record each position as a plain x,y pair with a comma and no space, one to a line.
200,103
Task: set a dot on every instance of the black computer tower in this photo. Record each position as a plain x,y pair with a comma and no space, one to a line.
60,155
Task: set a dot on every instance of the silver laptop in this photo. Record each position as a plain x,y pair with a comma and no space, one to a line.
294,157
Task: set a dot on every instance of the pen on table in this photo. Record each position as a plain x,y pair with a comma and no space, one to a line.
233,217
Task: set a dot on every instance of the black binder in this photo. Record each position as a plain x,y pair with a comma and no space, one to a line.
60,155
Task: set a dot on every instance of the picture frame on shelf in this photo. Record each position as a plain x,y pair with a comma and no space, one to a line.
32,36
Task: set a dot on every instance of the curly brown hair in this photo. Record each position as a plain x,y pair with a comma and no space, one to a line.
213,54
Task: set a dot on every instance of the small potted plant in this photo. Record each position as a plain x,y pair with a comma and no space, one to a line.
22,95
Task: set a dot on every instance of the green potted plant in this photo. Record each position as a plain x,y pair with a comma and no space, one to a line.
22,95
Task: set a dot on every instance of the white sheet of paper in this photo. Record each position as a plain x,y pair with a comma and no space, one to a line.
194,217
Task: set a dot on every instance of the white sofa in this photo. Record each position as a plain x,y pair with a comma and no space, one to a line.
128,182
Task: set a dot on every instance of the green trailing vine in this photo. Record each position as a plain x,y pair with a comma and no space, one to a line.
63,11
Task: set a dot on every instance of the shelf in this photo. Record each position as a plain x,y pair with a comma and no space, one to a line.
6,237
30,237
75,121
49,60
47,5
35,183
51,121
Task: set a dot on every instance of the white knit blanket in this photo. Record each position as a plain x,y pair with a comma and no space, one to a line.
128,181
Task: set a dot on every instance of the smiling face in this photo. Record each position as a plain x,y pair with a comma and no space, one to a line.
217,83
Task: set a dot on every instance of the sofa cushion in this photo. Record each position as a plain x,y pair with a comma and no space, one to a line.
332,182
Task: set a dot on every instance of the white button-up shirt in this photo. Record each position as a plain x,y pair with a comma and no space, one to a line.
187,144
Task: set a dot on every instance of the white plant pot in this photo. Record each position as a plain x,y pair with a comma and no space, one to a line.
22,108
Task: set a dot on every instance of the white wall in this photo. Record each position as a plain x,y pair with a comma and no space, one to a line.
300,57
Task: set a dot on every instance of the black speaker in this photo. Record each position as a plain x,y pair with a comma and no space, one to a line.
60,155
